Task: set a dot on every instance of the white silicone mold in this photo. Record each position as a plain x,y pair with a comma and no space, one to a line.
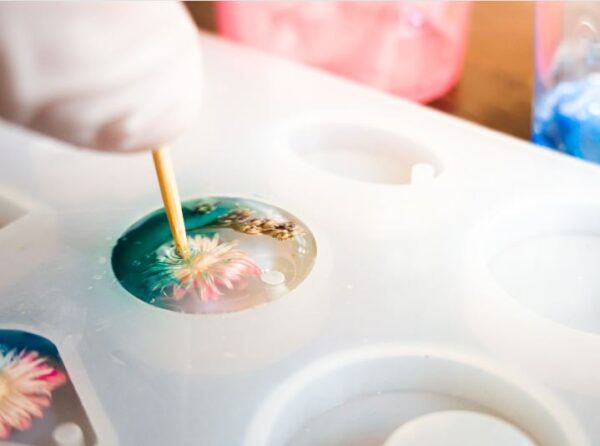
370,172
530,288
379,369
409,272
220,343
363,153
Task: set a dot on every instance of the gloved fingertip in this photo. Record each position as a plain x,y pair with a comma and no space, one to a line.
118,136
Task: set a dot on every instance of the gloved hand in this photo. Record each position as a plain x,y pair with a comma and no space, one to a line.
104,75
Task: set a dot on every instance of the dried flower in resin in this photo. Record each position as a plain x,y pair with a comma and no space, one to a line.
212,265
242,220
26,385
267,226
235,215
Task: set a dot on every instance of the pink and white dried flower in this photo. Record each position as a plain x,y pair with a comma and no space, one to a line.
213,265
26,385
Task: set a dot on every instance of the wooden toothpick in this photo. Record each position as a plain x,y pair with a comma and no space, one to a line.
170,196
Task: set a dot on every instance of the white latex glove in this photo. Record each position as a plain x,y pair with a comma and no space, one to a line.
103,75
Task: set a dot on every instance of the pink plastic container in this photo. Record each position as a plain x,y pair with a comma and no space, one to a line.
413,49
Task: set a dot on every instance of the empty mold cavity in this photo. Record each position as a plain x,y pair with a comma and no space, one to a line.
555,276
364,153
366,396
244,253
546,257
530,288
10,211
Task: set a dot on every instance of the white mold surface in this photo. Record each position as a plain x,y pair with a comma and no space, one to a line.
430,232
345,377
370,172
361,153
531,266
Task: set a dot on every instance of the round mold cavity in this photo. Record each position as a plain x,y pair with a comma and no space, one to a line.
362,396
244,253
530,267
213,344
365,172
363,153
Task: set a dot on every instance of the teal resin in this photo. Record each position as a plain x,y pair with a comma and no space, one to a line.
65,403
137,265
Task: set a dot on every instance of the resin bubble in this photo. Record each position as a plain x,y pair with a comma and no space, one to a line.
243,253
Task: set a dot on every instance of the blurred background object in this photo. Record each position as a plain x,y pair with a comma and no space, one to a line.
567,89
495,88
410,48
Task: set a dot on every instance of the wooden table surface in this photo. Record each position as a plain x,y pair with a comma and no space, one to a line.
496,86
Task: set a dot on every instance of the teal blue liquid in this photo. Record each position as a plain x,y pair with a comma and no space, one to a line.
136,251
138,258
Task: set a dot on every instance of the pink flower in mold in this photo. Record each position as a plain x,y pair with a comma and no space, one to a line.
26,385
212,265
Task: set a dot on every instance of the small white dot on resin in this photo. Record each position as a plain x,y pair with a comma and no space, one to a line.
458,428
272,277
68,434
421,173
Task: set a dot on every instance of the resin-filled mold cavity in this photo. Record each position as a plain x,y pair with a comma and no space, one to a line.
37,396
364,153
243,253
361,396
